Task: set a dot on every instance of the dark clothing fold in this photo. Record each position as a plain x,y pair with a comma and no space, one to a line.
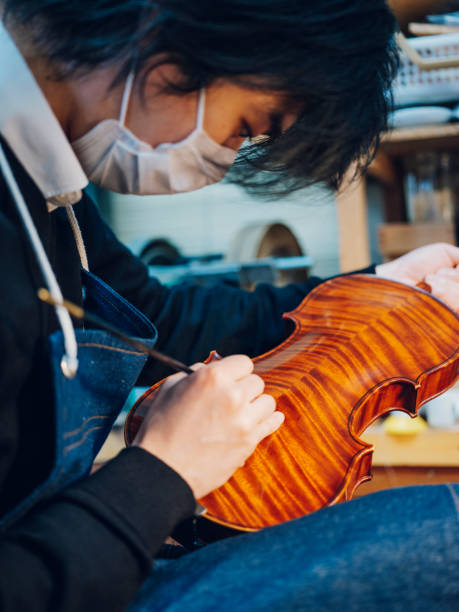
91,546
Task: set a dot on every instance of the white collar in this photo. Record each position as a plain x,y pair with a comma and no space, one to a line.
32,131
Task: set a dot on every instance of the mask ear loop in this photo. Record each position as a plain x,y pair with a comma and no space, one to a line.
201,109
126,97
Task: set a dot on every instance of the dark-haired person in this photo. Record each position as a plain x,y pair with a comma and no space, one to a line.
99,89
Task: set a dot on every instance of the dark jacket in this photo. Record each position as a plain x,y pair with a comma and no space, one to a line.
91,546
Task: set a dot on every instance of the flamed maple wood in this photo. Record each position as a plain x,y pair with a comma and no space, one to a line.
361,346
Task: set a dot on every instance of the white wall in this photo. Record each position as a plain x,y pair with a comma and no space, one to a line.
206,221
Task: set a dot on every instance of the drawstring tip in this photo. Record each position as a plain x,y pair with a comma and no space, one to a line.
69,366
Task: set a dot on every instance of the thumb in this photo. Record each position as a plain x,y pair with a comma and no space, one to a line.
452,253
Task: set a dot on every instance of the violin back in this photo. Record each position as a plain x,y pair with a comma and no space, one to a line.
361,346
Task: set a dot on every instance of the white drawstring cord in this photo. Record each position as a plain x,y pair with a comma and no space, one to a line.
78,237
69,363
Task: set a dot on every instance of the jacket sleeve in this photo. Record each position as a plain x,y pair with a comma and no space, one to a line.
91,546
194,320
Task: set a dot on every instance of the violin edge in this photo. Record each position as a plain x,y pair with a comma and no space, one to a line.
420,288
411,399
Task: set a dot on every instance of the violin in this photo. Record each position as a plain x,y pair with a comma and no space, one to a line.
361,346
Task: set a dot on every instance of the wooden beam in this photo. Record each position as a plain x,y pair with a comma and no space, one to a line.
396,239
354,248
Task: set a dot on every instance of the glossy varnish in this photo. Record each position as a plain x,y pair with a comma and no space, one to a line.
361,347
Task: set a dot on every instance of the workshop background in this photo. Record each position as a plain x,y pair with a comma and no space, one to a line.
408,198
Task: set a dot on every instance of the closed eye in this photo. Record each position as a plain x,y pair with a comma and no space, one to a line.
275,128
246,130
275,125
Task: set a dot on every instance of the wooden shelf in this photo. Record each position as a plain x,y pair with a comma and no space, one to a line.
395,239
388,170
430,448
405,140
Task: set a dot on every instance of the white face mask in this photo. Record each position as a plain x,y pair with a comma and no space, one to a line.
114,158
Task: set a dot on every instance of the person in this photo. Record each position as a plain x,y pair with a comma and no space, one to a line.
157,97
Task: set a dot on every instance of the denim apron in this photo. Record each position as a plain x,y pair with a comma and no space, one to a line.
86,406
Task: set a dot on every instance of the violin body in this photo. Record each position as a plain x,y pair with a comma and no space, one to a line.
361,347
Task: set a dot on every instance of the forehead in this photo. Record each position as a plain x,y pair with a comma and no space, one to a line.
256,94
275,109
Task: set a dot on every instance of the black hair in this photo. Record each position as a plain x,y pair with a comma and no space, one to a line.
333,59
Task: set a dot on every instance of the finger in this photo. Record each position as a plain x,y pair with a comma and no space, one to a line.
445,289
452,273
269,425
235,366
261,408
250,387
452,252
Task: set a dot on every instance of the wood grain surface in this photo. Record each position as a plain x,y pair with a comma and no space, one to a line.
361,346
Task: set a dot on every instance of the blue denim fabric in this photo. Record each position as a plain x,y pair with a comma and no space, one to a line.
87,406
395,550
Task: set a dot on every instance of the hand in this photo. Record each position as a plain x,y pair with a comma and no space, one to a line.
435,264
205,425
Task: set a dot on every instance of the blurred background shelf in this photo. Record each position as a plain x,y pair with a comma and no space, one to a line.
430,448
396,235
401,140
395,239
429,457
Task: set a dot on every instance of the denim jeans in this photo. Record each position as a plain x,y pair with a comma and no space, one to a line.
392,550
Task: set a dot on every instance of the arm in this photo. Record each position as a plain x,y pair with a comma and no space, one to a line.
86,550
91,546
192,320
